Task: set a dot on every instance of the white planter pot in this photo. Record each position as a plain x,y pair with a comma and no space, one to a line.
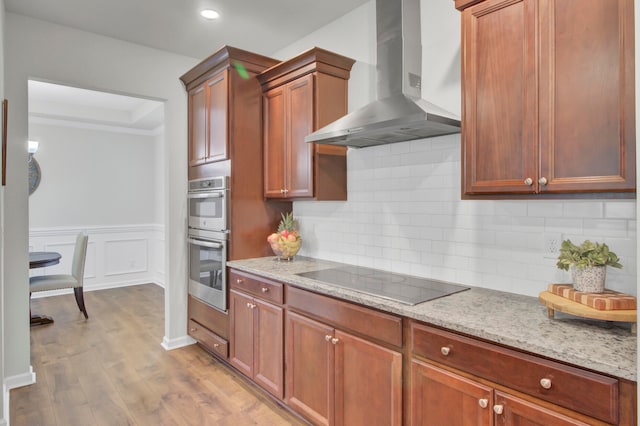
589,280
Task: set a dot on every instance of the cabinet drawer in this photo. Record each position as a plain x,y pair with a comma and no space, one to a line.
209,339
589,393
347,316
260,287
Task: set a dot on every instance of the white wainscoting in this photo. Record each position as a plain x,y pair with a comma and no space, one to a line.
117,256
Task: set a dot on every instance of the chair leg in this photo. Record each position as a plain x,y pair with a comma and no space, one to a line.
80,301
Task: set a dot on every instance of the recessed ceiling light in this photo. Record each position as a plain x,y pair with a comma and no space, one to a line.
209,14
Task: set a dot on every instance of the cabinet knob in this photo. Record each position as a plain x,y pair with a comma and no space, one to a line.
445,350
327,337
483,402
334,340
542,181
238,281
286,190
216,345
193,329
498,409
265,289
282,191
528,181
545,383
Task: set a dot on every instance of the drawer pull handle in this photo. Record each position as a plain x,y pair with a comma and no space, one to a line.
334,340
545,383
445,350
498,409
483,402
327,337
265,289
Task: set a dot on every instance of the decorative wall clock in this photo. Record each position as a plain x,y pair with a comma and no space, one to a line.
34,174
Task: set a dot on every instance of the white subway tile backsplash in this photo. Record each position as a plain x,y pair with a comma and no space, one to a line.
404,214
583,209
620,210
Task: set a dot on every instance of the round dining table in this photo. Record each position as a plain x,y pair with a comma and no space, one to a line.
40,259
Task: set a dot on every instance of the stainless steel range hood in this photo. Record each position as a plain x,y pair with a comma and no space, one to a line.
399,114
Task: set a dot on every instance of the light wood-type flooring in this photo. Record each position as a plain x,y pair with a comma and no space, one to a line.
111,370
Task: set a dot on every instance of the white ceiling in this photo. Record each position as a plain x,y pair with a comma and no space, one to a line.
260,26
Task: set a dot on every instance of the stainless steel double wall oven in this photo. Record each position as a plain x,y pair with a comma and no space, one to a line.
208,234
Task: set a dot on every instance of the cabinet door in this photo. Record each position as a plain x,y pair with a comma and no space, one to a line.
499,133
218,120
299,119
309,357
241,342
516,411
268,349
197,125
587,133
366,376
439,397
274,142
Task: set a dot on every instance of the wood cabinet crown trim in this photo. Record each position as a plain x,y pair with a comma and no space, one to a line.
225,57
314,59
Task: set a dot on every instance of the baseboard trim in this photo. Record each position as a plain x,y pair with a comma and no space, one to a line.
180,342
104,286
20,380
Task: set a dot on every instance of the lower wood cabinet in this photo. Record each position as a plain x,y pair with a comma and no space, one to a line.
336,378
209,327
460,378
440,397
257,340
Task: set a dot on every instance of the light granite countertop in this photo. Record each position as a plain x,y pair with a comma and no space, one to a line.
510,319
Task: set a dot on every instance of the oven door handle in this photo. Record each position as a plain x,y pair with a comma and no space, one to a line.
204,243
207,195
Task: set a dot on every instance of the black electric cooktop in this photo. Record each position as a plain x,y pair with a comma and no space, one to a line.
397,287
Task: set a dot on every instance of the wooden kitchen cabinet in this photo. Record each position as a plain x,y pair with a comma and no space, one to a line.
224,109
208,111
256,344
548,96
455,377
301,95
334,377
441,397
209,327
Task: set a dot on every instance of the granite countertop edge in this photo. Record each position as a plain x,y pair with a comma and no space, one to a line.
509,319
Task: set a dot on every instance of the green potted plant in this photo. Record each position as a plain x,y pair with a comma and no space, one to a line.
588,263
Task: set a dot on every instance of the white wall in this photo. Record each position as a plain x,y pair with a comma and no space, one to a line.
404,211
4,393
48,52
94,177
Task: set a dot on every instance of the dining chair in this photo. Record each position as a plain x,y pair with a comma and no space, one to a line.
61,281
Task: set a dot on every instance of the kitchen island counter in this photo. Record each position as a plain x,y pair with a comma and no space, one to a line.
510,319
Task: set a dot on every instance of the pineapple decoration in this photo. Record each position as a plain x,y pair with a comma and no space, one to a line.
286,242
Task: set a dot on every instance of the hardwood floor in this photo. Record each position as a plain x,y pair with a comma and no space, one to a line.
111,370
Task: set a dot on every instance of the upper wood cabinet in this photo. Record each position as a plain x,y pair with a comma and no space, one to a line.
300,96
548,96
208,110
224,107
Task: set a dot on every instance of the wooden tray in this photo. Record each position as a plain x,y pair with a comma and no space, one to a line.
553,302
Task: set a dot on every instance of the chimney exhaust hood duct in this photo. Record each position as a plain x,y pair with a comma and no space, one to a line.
399,114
